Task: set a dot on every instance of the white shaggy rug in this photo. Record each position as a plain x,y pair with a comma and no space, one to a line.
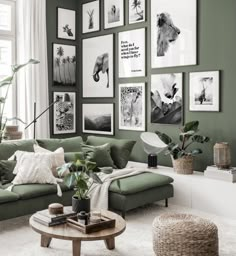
17,238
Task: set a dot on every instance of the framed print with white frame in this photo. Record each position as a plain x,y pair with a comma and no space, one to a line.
98,118
137,10
132,112
204,91
91,17
113,13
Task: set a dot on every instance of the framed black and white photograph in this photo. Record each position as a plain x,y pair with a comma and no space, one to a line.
113,13
98,67
132,59
136,11
66,24
132,107
204,91
167,99
91,17
98,118
173,33
64,115
64,65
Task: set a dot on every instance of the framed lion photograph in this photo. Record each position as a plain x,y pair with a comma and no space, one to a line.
173,33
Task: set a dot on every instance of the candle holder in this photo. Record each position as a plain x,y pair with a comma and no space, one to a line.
222,155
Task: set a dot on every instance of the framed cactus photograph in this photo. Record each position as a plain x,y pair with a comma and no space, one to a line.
91,17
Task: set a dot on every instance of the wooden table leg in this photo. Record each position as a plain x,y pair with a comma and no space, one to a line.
45,241
110,243
76,246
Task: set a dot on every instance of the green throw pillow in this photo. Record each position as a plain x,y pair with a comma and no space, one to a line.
73,156
101,155
120,148
69,145
6,171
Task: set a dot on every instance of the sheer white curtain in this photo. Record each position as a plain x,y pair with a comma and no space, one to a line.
32,82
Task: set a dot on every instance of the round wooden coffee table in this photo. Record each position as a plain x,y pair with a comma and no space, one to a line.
67,232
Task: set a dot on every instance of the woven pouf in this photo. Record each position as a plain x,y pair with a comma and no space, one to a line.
184,235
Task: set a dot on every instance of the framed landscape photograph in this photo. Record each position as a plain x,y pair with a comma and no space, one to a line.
113,13
98,67
204,91
64,65
132,107
98,118
66,24
173,33
91,17
167,99
136,11
132,61
64,115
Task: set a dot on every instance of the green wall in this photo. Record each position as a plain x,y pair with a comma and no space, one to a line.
216,43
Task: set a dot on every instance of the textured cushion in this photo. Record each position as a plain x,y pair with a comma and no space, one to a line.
70,145
101,155
120,149
139,183
6,196
73,156
7,149
6,171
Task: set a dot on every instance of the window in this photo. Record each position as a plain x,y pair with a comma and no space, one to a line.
7,50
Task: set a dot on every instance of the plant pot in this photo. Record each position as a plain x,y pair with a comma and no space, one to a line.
183,165
79,205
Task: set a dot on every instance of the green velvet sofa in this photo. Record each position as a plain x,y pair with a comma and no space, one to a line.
124,195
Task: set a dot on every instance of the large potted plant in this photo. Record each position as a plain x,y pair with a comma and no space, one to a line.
80,175
182,156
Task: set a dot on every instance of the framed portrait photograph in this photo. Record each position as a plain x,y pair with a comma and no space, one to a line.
204,91
113,13
167,99
137,11
66,24
64,65
98,67
64,115
132,107
173,33
91,17
98,118
132,59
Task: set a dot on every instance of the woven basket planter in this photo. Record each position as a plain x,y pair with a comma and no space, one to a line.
183,165
184,235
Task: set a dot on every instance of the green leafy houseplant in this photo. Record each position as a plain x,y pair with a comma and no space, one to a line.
7,82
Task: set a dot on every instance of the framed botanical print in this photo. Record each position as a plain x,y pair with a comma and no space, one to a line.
113,13
137,11
204,91
91,17
66,24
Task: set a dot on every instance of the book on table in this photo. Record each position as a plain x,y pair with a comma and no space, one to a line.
221,174
46,221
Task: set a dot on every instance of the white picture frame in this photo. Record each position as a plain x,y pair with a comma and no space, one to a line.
132,53
137,11
167,98
98,118
204,91
173,33
64,113
91,17
132,111
113,13
66,24
98,64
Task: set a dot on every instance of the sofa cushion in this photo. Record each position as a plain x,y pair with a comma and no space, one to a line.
7,196
139,183
120,148
7,149
36,190
6,171
70,145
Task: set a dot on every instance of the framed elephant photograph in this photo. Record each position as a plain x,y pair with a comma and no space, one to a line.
98,118
113,13
173,33
91,17
98,67
66,24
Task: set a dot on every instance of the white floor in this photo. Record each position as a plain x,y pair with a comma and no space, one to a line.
17,238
